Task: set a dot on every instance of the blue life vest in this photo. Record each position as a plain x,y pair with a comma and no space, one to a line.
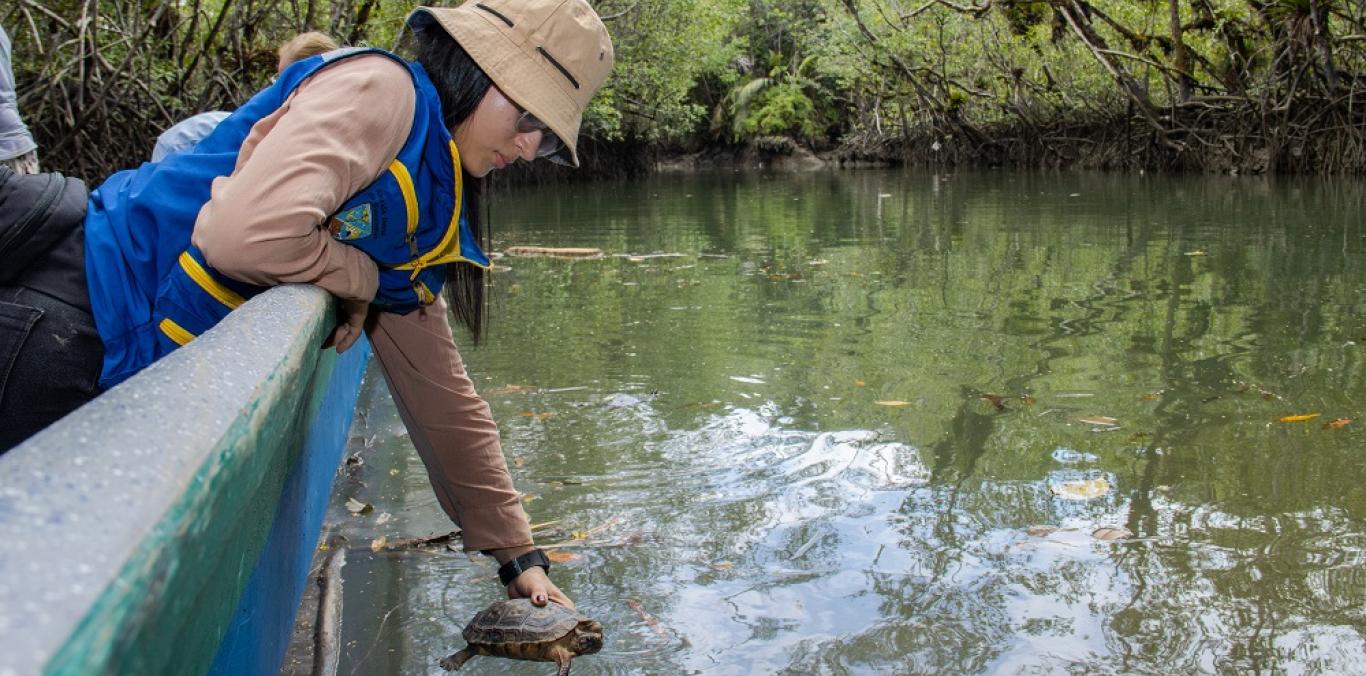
151,291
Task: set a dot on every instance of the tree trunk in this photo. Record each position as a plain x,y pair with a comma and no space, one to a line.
1180,59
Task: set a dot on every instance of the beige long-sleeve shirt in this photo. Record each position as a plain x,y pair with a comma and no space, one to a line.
333,136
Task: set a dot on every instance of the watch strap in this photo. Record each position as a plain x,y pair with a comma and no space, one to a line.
510,570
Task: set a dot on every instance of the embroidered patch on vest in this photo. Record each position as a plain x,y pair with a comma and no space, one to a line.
352,224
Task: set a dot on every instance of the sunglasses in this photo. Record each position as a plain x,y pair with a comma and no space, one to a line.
550,143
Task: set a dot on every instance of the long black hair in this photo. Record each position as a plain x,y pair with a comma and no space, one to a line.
460,85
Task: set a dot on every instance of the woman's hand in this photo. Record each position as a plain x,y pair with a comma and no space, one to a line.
535,585
353,314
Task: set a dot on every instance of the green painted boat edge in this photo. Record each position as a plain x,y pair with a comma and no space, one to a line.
160,599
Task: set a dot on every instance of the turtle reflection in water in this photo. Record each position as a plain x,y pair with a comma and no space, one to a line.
522,631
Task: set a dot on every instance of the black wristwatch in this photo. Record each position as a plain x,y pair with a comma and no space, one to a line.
510,570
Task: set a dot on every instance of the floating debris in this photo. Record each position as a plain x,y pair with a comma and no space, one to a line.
1067,455
572,253
646,617
1109,533
1303,417
1099,420
357,507
1081,490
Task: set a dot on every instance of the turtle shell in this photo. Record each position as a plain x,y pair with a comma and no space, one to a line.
518,621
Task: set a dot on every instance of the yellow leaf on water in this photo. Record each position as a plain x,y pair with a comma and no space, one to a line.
529,498
892,402
723,565
1337,423
1081,490
859,383
378,543
1299,418
518,461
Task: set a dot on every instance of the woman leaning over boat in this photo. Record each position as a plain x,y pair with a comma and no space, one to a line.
353,171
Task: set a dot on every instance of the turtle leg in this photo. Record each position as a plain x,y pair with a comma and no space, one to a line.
562,660
458,659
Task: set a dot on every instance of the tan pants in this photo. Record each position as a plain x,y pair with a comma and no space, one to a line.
23,165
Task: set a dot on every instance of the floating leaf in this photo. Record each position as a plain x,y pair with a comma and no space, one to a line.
561,556
357,507
996,400
860,383
1111,533
1197,252
538,416
723,565
1040,531
1101,420
1152,396
529,498
378,543
892,402
383,518
1081,490
1299,418
1026,400
1337,423
518,461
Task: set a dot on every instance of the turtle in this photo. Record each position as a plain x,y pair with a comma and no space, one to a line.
517,629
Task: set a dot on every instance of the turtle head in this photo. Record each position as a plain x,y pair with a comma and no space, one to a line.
587,637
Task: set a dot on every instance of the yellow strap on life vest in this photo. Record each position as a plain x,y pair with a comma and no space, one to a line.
175,332
448,251
210,285
405,186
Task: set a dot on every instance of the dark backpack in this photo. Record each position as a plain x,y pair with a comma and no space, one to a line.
36,212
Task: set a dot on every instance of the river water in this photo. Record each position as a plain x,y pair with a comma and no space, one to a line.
871,422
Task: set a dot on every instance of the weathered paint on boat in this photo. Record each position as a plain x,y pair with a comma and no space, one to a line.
167,526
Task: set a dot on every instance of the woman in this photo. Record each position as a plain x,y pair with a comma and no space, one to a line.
350,172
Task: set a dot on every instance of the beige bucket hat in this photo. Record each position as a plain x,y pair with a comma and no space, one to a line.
548,56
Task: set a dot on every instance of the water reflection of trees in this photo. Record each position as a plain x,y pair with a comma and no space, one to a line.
1195,311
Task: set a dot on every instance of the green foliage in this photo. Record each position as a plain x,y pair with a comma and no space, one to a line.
782,110
697,71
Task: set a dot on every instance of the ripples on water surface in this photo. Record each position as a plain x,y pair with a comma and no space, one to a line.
817,441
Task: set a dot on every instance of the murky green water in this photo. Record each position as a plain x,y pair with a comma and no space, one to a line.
816,441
